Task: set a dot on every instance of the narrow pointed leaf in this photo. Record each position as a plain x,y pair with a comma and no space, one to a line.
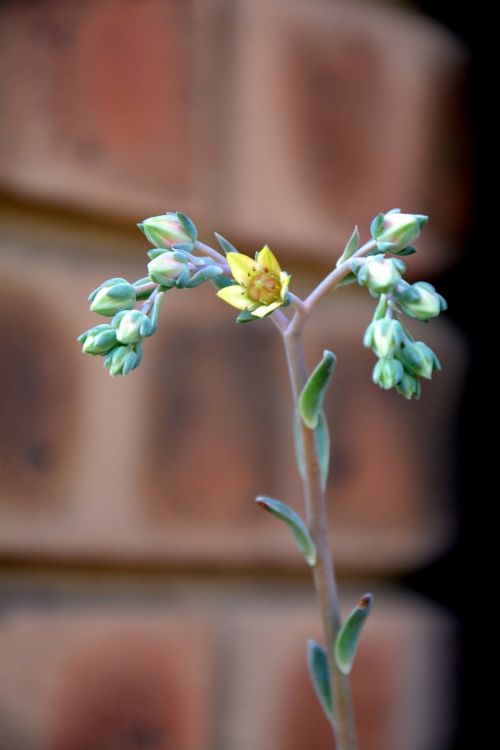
377,225
181,256
322,437
351,278
183,247
227,246
381,308
155,252
347,640
350,248
314,391
318,670
139,282
188,225
322,434
246,316
183,279
299,446
206,274
156,310
295,522
410,250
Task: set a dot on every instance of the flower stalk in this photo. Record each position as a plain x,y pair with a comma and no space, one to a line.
323,571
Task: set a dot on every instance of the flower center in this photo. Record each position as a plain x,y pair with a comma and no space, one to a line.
264,288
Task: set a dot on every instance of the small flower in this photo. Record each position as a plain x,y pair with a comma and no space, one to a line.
112,296
384,336
169,229
123,359
165,269
419,300
387,373
262,285
377,273
394,231
99,339
418,359
409,387
132,326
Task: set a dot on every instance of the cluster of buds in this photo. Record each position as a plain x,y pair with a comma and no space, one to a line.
120,341
401,359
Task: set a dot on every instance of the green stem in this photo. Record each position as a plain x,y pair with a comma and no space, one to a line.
324,576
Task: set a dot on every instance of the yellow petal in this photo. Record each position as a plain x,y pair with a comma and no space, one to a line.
285,281
266,259
263,310
235,295
242,267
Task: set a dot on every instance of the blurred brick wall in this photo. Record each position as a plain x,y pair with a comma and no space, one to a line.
271,120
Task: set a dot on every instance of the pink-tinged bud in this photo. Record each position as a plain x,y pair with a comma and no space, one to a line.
164,269
394,231
169,229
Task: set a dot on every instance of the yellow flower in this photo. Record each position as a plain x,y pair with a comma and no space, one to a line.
262,285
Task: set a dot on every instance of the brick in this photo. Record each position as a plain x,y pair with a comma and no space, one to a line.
104,94
209,665
132,108
100,680
352,108
39,420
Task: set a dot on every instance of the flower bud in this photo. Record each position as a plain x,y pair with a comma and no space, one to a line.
99,339
112,296
387,373
420,300
123,359
409,387
165,269
384,336
169,229
419,359
379,274
394,231
132,326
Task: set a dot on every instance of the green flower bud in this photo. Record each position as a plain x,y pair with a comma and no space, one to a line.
394,231
165,269
419,359
132,326
169,229
409,387
379,274
99,339
123,359
112,296
387,373
420,300
108,282
384,336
